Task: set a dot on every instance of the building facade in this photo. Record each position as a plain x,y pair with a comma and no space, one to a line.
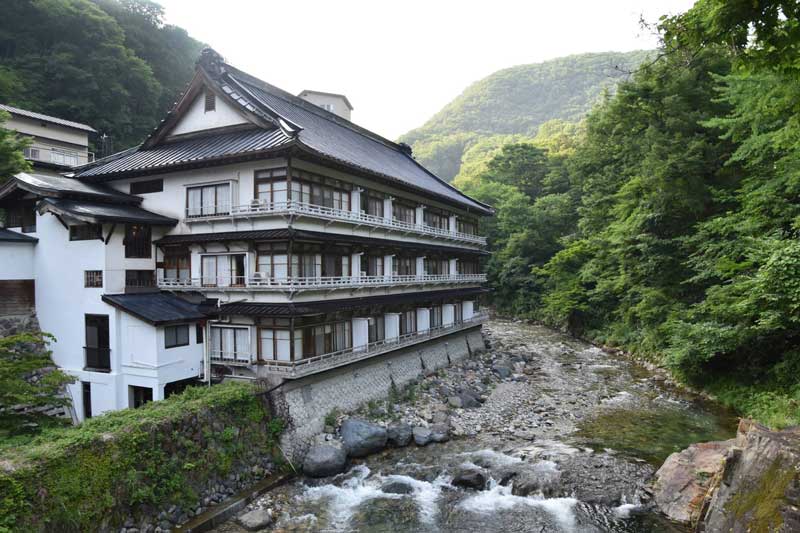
252,235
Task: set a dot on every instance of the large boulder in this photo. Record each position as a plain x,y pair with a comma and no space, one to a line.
440,433
397,487
422,435
399,435
255,520
323,460
362,438
470,478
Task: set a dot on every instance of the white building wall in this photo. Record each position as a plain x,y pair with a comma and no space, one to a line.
198,119
17,260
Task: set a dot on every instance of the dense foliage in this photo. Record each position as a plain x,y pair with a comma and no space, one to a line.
28,380
670,224
112,64
516,101
132,462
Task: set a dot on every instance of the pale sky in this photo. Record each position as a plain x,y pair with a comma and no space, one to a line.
401,62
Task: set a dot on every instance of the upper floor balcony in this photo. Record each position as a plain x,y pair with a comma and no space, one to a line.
260,282
260,208
57,156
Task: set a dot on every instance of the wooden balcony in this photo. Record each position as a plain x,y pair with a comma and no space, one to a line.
258,208
299,284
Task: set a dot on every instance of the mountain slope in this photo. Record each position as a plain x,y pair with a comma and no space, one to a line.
516,101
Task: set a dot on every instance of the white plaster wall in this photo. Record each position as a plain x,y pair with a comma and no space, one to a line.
339,106
16,260
198,119
46,130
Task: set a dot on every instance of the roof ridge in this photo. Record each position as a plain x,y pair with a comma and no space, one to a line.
50,118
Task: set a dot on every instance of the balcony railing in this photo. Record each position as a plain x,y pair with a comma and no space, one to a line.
320,363
294,284
48,154
259,208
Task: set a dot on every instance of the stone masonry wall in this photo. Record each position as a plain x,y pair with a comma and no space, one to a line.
304,403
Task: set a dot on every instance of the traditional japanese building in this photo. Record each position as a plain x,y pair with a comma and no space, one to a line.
254,234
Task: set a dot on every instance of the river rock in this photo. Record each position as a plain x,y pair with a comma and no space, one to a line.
362,438
255,520
502,371
422,435
440,433
685,477
455,402
397,487
399,435
323,460
469,399
469,478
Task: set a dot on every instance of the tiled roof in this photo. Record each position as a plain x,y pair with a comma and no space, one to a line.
156,308
323,306
175,154
6,235
96,213
60,186
46,118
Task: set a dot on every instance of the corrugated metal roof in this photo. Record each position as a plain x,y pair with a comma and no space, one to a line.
344,304
60,186
188,151
94,212
46,118
156,308
286,233
6,235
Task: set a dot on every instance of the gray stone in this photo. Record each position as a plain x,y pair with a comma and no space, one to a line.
440,433
362,438
255,520
324,460
469,399
397,487
455,401
502,371
469,478
422,436
399,435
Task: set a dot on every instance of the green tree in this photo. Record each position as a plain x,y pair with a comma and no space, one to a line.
12,159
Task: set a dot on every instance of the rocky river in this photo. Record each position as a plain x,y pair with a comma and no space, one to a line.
545,433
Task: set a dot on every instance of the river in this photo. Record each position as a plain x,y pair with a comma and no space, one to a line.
585,429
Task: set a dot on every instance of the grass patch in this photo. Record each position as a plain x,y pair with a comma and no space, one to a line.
771,405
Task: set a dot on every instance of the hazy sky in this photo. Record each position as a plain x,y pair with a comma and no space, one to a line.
400,62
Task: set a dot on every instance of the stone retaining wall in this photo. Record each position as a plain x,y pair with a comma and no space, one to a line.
304,403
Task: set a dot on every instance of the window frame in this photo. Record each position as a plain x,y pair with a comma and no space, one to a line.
147,186
138,246
176,328
92,279
86,232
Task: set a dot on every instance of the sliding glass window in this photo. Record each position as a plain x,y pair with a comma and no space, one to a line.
207,200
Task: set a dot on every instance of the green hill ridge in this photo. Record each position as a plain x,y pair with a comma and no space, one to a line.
512,103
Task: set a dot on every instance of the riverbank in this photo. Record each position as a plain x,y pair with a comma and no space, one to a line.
563,435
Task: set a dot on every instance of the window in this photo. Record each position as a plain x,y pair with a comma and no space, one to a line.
230,344
208,200
146,187
436,316
177,265
318,190
327,107
376,328
372,265
435,219
93,279
458,312
274,344
210,101
85,232
405,266
22,215
408,322
223,270
138,241
306,265
271,187
138,279
175,336
97,350
436,267
372,204
324,338
468,266
273,263
335,266
32,153
86,392
198,333
139,396
467,226
64,158
404,213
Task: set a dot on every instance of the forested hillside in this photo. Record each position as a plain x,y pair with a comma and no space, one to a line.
669,224
112,64
516,101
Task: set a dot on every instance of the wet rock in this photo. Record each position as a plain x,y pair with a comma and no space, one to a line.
399,435
422,435
397,487
469,478
440,433
362,438
255,520
323,460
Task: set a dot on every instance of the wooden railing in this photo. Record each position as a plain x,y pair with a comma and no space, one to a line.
259,208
